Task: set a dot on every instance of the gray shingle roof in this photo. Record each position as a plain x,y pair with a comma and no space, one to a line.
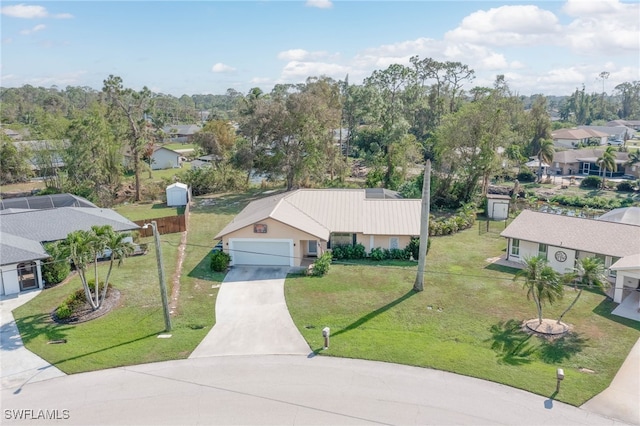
589,235
14,249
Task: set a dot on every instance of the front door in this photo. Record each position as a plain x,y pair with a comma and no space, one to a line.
28,276
312,248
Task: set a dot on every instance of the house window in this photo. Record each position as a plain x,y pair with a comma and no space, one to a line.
613,273
542,250
260,228
515,247
341,239
394,243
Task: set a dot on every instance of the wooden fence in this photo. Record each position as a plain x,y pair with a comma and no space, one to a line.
166,225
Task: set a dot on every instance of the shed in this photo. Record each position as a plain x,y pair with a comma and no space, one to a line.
498,206
177,194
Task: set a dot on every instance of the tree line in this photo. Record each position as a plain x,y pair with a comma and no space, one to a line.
307,134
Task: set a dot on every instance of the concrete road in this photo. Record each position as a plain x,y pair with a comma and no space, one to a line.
19,366
252,316
283,389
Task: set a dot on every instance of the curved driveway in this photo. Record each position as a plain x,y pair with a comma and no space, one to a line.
252,316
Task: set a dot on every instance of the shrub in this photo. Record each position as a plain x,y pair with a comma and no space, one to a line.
53,272
399,254
349,252
624,187
321,265
591,182
413,248
220,261
376,254
526,175
63,311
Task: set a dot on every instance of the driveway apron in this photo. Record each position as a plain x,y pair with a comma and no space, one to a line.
252,316
18,365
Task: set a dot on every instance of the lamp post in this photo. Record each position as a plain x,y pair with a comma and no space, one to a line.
163,287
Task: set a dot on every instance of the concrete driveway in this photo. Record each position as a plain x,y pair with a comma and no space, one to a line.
252,316
18,365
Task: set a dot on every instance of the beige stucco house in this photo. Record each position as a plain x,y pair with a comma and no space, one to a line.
564,239
284,229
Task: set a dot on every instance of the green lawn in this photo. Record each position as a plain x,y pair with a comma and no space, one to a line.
179,145
466,321
128,334
147,211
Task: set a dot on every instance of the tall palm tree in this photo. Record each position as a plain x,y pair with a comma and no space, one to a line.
120,248
588,273
545,154
634,158
542,282
607,161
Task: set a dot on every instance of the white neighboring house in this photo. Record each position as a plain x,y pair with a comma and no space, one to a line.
570,138
28,222
165,158
564,239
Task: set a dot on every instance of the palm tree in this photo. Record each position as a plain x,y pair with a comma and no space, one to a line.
542,282
545,154
607,161
589,272
84,248
634,158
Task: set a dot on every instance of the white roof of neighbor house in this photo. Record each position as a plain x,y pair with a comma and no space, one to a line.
589,235
628,215
320,212
577,134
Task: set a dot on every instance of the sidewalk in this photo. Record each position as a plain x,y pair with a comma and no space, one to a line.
18,365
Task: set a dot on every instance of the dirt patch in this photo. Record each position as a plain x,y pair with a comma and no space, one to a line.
175,281
548,328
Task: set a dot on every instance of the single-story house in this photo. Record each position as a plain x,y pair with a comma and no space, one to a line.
633,124
26,223
570,138
564,239
181,132
46,155
165,158
616,133
585,162
284,229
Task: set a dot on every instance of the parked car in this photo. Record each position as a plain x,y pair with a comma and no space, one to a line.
217,247
615,142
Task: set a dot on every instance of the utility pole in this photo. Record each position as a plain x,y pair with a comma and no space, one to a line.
424,227
163,286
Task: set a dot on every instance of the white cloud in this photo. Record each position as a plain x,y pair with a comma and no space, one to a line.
297,69
30,12
35,29
302,55
64,79
259,80
507,26
220,67
320,4
7,40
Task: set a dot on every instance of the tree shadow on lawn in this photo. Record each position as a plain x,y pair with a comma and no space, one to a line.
510,343
203,270
607,306
34,326
501,268
561,349
375,313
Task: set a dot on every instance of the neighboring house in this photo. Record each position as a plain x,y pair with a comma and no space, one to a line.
26,223
46,155
181,132
285,228
564,239
585,162
616,133
165,158
570,138
634,124
205,161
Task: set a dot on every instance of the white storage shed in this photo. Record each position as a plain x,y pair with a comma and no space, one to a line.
177,194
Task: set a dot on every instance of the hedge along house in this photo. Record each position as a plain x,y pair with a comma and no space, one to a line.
283,229
26,223
564,239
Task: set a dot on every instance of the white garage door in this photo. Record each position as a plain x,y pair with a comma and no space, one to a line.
261,252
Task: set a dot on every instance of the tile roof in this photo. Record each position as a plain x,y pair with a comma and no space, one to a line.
577,134
589,235
322,211
575,155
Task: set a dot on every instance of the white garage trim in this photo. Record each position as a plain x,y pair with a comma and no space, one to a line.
261,251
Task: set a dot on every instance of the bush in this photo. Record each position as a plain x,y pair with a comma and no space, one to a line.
526,175
63,311
625,187
349,252
220,261
53,272
591,182
376,254
413,248
321,265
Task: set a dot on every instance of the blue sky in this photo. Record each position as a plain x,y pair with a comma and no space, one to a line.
182,47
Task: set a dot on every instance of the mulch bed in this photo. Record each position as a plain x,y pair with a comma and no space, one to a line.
86,313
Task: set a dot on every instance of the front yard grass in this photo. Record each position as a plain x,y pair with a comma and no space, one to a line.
128,334
467,320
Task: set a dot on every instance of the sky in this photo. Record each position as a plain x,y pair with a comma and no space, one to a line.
207,47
